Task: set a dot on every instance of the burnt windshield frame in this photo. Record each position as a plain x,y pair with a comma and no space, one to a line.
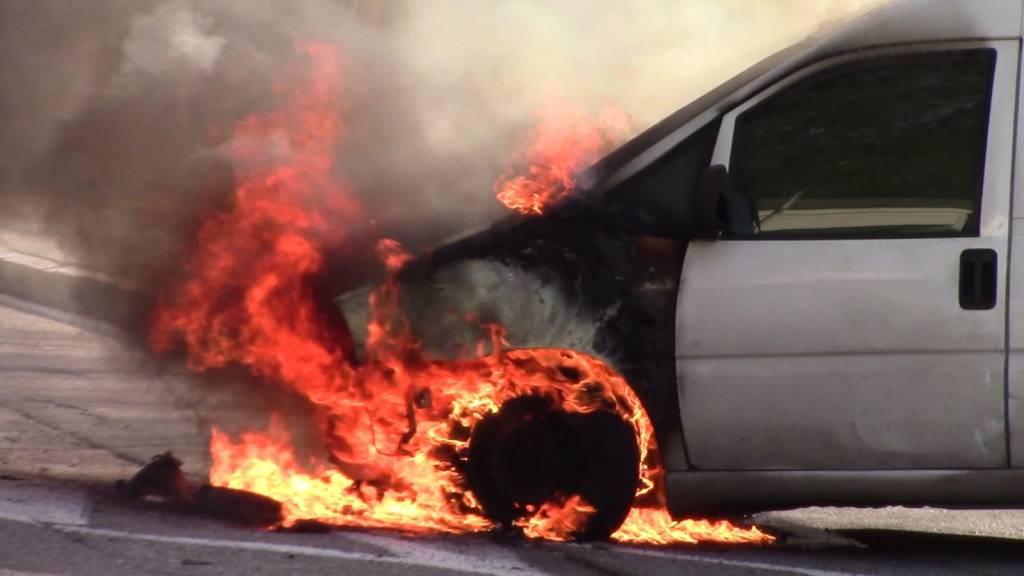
971,227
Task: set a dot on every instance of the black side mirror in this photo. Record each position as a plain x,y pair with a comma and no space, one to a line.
720,208
713,186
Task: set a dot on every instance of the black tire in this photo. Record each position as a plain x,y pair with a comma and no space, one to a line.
479,473
520,456
612,471
530,453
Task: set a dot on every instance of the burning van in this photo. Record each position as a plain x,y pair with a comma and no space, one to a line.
804,277
800,289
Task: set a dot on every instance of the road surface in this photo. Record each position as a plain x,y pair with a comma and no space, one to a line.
78,409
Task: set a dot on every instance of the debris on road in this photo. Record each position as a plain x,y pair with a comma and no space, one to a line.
238,506
162,481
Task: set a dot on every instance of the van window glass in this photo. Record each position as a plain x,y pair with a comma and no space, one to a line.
887,147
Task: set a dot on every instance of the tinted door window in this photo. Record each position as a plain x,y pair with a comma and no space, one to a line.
889,147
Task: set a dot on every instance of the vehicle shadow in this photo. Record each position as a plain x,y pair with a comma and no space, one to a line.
898,544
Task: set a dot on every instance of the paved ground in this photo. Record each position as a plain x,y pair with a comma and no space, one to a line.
78,410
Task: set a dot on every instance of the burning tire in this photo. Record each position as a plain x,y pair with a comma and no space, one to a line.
531,453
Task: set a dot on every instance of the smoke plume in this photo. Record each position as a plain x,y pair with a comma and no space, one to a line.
114,114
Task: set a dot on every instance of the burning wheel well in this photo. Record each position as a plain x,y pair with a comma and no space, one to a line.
451,298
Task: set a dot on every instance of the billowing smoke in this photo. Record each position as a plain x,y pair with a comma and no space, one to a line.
113,114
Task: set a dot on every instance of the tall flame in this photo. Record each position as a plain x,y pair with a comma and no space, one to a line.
397,426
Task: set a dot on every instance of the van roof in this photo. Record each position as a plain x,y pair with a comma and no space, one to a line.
896,22
905,21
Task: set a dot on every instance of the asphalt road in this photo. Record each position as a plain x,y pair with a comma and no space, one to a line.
79,410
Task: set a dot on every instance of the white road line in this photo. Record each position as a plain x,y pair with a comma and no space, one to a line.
484,555
736,563
443,561
440,562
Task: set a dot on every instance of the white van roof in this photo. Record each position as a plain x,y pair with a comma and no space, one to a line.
908,21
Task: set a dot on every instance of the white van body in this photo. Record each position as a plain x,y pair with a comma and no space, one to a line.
846,370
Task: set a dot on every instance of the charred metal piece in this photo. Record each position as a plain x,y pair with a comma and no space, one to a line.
238,505
414,399
306,526
161,478
423,398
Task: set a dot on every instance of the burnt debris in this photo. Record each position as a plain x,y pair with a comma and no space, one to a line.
162,481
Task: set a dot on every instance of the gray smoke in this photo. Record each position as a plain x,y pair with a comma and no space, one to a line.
112,112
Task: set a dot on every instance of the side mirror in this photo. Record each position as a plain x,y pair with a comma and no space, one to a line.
721,209
714,185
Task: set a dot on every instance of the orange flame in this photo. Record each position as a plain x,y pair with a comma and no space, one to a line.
655,526
555,521
396,426
563,142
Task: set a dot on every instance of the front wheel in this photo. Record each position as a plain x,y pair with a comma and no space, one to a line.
531,452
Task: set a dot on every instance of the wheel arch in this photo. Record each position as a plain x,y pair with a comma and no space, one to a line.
449,302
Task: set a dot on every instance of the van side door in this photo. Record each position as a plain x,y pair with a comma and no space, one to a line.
857,318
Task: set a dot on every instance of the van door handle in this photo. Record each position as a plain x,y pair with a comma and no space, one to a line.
978,273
